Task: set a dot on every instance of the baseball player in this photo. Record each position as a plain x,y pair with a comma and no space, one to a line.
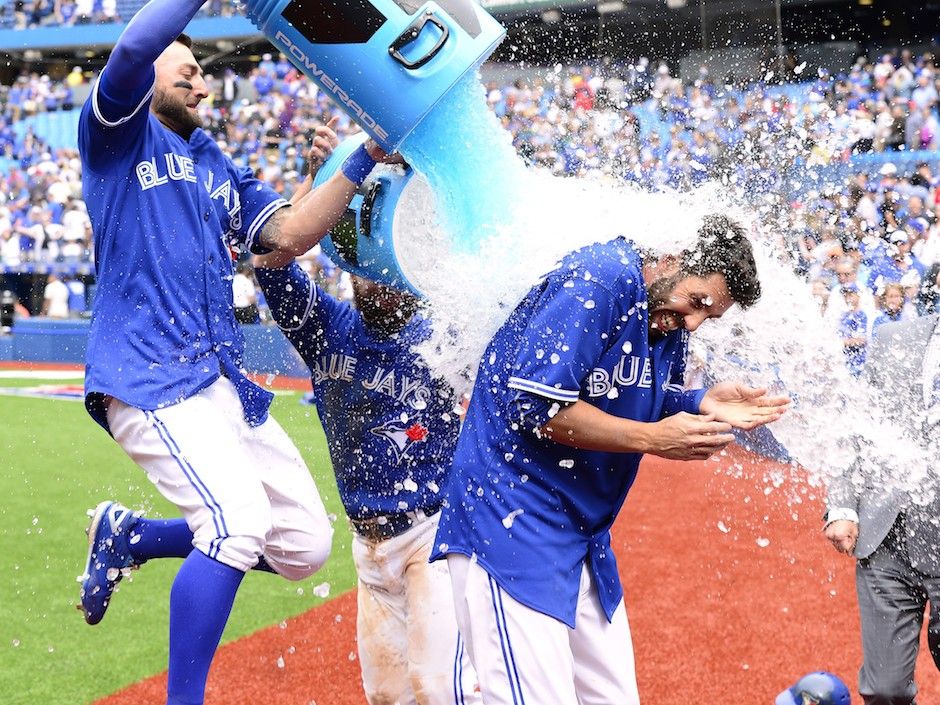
391,428
583,378
164,371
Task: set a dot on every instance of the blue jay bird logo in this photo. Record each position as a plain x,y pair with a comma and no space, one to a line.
401,436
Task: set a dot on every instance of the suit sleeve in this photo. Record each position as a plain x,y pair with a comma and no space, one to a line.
843,490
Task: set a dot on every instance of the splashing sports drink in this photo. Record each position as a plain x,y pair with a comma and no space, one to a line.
386,63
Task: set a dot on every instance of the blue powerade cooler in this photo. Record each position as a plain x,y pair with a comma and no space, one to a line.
385,62
363,240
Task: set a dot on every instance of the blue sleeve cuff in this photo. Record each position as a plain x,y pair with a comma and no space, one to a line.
358,165
689,402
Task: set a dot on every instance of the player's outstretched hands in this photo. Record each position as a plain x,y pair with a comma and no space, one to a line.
686,436
742,406
843,533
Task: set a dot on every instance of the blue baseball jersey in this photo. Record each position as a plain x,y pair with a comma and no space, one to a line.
165,212
390,425
532,510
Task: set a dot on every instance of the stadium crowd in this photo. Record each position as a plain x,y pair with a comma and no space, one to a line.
868,245
29,14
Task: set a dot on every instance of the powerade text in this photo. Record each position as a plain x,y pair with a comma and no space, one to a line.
330,84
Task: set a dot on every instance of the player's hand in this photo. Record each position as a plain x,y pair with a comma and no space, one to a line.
380,155
742,406
843,533
324,142
689,436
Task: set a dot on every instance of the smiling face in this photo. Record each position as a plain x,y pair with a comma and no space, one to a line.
677,301
178,89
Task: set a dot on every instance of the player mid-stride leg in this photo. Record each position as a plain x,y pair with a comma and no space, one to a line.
247,501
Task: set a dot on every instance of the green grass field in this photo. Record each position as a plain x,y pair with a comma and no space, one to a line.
55,463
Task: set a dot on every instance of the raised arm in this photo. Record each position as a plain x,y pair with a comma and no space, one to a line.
295,230
150,31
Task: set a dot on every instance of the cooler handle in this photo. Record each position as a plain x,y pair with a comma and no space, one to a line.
411,33
365,211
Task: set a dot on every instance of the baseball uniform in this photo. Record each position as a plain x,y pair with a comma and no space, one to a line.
163,369
526,525
391,428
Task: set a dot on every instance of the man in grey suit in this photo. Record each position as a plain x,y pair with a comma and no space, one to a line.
895,539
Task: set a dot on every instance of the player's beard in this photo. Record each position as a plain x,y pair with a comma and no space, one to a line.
383,317
173,112
658,294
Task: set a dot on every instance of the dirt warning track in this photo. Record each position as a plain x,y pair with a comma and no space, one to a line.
732,594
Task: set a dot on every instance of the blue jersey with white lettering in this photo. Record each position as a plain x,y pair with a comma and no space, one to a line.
391,427
532,510
164,211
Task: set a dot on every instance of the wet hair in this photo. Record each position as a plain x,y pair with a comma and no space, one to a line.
185,40
722,248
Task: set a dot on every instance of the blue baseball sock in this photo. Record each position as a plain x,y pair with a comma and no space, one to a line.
200,603
160,538
168,538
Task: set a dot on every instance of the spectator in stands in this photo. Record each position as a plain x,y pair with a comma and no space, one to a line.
76,235
55,298
244,291
78,297
853,329
928,298
820,289
9,247
65,12
846,275
890,304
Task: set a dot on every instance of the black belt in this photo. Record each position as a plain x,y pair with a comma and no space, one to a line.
386,526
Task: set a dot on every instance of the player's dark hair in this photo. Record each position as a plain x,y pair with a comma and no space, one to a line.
722,248
185,40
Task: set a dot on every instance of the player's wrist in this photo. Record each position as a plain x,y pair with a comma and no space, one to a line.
358,165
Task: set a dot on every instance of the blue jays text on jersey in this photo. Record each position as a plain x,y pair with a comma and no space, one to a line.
165,211
531,510
391,427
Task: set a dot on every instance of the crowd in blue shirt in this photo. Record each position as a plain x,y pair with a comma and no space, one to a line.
637,122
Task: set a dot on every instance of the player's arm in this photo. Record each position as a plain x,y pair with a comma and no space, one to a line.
556,358
293,299
741,406
129,71
296,229
681,436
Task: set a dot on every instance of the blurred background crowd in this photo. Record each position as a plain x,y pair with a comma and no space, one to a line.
866,240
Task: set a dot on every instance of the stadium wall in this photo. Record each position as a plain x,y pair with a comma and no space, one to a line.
50,341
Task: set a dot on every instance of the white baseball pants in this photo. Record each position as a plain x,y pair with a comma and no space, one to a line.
524,657
244,491
409,647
